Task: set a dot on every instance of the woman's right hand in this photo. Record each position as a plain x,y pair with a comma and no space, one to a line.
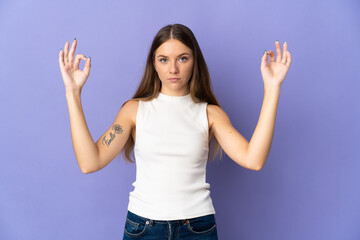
74,78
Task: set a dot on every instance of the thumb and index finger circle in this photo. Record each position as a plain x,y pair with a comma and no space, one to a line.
77,60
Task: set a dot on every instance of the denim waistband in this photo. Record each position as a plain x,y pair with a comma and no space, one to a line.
152,221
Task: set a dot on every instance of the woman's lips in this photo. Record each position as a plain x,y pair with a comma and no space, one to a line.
174,79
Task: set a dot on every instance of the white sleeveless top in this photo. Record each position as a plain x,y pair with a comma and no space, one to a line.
171,152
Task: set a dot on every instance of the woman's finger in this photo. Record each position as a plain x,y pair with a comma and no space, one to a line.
61,59
66,51
288,58
77,60
87,66
278,51
72,51
271,56
264,60
284,58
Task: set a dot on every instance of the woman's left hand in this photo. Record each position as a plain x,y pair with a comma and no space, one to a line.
274,73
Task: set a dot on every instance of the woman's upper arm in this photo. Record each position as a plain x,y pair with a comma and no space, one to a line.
114,139
230,140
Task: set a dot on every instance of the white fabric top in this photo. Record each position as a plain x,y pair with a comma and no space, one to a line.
171,153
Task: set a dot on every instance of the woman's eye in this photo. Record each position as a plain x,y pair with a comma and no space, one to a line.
184,59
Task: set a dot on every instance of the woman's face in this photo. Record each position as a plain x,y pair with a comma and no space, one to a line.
173,59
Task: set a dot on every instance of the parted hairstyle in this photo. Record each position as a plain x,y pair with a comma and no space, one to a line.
199,82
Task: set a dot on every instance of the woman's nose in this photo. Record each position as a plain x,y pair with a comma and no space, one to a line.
174,68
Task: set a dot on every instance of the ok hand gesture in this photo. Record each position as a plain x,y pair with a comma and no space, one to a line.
274,73
74,78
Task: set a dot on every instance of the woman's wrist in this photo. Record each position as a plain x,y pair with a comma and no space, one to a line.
72,92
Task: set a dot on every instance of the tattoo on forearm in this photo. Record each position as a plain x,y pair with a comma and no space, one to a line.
117,130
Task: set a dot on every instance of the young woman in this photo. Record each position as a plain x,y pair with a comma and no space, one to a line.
169,123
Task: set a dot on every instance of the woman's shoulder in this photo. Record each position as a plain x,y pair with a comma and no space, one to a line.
214,112
130,108
213,109
131,105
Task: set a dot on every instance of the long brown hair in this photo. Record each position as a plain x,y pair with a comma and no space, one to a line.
199,83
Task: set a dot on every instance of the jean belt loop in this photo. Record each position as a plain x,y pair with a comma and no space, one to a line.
151,222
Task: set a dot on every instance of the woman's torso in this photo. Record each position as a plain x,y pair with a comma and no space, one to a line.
210,111
171,137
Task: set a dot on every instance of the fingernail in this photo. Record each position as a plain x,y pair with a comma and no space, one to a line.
90,58
264,51
74,38
277,40
60,49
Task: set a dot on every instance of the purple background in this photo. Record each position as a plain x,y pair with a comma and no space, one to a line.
310,185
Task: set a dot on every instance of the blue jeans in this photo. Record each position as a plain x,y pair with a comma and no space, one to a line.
199,228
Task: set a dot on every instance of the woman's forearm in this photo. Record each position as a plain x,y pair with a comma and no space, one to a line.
260,143
86,151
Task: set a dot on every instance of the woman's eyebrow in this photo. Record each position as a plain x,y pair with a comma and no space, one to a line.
178,56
